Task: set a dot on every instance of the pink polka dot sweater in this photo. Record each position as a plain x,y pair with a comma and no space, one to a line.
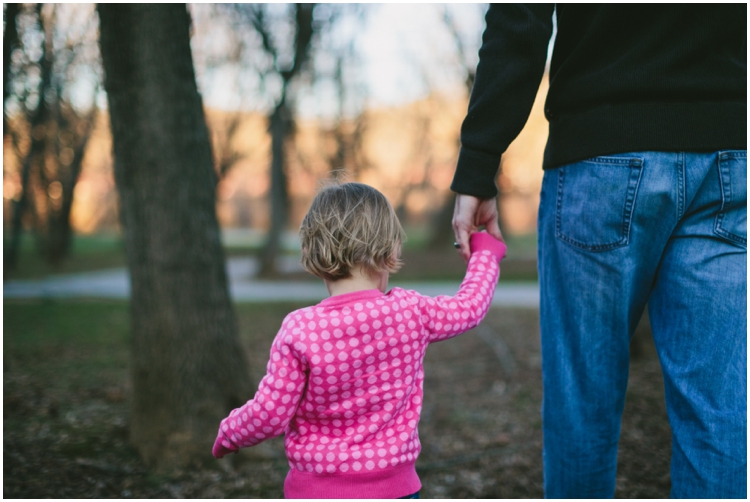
344,384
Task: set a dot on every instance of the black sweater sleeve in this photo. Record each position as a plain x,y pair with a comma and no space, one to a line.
511,66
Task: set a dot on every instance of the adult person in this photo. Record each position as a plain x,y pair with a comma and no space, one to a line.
643,201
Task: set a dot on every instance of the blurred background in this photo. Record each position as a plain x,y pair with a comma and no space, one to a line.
379,99
296,93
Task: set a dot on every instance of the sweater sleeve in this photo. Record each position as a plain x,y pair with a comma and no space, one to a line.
270,411
511,65
447,316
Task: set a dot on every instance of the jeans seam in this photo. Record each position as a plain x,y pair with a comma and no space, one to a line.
681,186
558,205
609,160
630,200
733,154
725,187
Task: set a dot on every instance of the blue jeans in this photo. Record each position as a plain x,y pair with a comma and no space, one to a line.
617,233
412,496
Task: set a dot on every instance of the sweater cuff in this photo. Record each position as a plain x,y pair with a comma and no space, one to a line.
219,450
475,174
480,241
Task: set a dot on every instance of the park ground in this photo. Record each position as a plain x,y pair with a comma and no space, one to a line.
66,392
66,395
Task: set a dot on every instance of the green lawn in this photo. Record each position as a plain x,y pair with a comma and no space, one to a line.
88,252
68,347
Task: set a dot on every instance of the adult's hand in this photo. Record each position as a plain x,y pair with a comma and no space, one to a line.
469,213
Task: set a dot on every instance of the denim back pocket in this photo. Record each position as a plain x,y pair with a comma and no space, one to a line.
731,220
595,202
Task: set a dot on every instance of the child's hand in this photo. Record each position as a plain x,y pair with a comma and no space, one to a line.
221,447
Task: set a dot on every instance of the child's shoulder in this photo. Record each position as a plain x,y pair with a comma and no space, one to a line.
397,292
294,327
406,297
299,316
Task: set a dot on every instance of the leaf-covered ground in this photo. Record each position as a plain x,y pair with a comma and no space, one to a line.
65,422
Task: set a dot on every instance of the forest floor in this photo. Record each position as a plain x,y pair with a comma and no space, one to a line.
66,392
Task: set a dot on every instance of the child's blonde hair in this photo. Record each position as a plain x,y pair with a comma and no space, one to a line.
350,225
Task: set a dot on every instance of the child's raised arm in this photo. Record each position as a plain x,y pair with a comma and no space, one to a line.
447,316
269,412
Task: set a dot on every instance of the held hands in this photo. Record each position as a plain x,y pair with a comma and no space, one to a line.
468,215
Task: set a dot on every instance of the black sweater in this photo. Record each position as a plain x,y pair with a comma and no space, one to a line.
623,78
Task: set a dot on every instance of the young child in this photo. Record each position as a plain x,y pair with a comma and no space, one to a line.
344,381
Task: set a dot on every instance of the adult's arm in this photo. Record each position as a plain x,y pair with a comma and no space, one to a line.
511,66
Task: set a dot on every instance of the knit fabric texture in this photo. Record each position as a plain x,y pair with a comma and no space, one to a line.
623,78
344,384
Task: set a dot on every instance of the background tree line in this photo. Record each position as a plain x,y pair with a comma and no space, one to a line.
261,45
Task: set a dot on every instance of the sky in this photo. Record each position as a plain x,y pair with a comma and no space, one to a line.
404,52
400,37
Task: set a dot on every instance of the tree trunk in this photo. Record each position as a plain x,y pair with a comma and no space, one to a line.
59,233
279,126
188,366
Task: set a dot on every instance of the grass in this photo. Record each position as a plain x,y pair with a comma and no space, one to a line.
66,345
88,252
74,346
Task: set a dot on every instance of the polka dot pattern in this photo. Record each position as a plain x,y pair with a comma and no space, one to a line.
344,378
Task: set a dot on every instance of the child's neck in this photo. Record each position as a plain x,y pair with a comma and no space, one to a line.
359,281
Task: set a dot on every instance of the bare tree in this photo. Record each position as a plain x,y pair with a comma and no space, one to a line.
68,148
71,126
36,115
347,157
207,56
49,132
188,366
342,142
285,62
